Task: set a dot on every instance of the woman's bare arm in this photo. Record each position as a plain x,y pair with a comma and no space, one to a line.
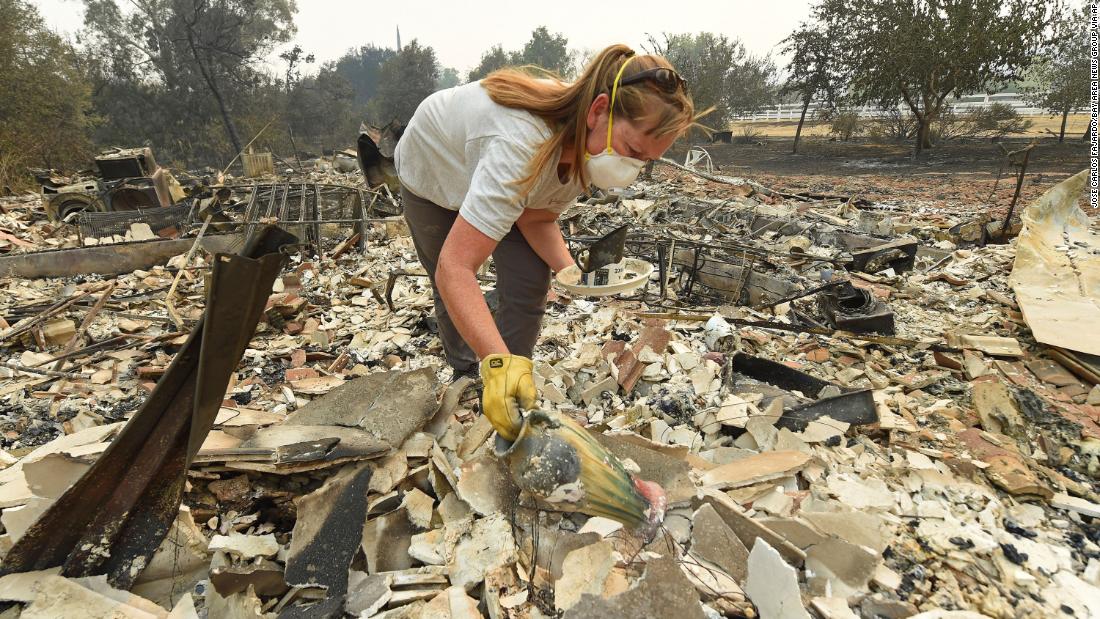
464,251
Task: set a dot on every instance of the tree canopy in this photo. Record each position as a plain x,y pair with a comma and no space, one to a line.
45,108
921,52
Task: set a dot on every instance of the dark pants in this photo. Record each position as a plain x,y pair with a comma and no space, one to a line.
523,280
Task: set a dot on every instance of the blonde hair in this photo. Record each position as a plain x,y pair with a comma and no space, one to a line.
565,106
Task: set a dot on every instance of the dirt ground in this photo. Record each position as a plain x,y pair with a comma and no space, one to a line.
956,176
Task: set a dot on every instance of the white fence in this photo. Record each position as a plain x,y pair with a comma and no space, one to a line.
791,111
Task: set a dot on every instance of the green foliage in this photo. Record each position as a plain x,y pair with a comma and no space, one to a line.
45,105
994,121
448,78
811,73
171,66
720,74
1061,74
921,52
362,68
547,51
845,125
544,50
495,58
405,80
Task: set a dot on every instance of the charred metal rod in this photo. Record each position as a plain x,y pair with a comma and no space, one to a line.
1019,186
105,344
74,341
765,324
51,311
49,373
392,280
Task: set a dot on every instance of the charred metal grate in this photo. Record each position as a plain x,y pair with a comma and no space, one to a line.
102,226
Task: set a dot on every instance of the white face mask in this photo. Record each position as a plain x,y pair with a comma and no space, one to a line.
608,169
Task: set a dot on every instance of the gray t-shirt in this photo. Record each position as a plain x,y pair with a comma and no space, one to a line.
464,152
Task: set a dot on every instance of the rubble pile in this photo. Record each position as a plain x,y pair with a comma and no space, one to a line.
819,460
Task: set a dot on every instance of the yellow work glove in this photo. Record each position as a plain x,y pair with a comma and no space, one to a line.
507,387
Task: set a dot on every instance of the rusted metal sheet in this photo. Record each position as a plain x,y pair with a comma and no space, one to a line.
108,259
112,520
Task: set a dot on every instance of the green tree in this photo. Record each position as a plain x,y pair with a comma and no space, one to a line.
547,51
44,109
194,49
405,81
448,78
719,72
1061,74
921,52
810,73
362,68
495,58
295,57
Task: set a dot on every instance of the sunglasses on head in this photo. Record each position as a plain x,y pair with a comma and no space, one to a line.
665,79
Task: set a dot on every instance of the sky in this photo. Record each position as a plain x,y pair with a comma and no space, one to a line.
460,31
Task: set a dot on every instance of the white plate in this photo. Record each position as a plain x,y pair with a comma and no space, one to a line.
637,274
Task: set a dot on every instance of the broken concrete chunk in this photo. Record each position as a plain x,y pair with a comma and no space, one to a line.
772,585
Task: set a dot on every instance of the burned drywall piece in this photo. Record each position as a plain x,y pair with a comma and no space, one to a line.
755,469
389,405
386,540
1051,285
451,603
669,472
328,531
487,545
839,568
746,528
263,576
584,571
772,584
367,593
290,445
714,541
486,486
245,547
663,591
